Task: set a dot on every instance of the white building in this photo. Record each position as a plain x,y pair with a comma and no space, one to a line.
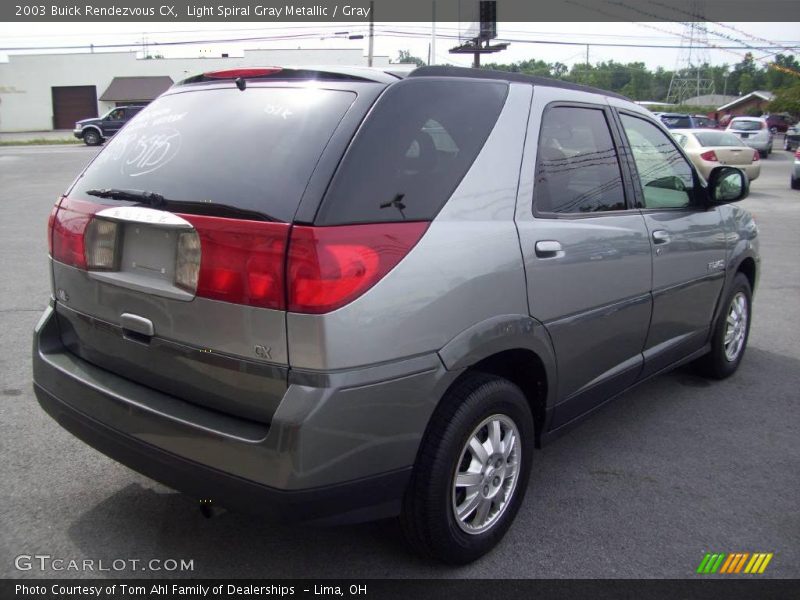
39,92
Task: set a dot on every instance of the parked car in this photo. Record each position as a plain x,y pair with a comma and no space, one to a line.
96,130
779,123
341,295
684,121
710,149
795,181
791,141
753,131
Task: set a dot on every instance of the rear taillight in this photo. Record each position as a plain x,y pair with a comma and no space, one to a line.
269,265
797,155
100,244
68,234
239,261
50,224
756,155
329,267
710,155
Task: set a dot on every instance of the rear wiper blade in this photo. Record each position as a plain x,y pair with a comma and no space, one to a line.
151,198
155,200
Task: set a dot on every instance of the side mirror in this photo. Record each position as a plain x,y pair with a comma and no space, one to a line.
727,184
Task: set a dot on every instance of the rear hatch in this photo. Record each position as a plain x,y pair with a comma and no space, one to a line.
168,251
747,128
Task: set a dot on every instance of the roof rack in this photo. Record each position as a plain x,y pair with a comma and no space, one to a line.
444,71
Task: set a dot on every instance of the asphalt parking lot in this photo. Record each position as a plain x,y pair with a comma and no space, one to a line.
676,468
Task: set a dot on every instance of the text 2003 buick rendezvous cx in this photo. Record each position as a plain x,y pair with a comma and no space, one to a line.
346,294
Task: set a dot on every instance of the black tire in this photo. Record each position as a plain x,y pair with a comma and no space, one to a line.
91,137
716,363
795,183
763,153
428,516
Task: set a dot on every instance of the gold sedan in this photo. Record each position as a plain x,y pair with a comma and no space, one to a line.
708,148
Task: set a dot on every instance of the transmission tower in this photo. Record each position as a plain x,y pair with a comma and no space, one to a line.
688,79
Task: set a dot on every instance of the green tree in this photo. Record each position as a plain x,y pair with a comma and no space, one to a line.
787,99
405,57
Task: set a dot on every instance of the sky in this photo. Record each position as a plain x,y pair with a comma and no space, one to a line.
415,37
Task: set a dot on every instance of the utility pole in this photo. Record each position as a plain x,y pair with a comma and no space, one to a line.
587,63
371,32
432,57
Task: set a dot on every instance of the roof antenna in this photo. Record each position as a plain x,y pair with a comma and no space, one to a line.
240,83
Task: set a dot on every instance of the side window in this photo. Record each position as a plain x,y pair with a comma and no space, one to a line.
577,169
411,152
666,178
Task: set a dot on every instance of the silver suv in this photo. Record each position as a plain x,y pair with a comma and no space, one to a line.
342,295
754,132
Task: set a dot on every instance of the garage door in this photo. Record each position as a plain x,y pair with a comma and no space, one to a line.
73,103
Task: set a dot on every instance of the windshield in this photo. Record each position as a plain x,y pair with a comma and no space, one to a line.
253,150
747,125
718,138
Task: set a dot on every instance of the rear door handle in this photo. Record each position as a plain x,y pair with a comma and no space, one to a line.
661,237
549,249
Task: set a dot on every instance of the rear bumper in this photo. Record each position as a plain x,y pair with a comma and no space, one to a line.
78,133
339,448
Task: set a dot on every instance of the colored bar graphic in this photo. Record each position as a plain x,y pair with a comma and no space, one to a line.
703,563
733,563
741,562
718,563
726,566
764,564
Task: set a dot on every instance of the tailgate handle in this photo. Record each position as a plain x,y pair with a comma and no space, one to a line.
136,324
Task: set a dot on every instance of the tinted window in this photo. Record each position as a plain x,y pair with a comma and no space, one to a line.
577,170
746,125
666,177
677,121
717,138
253,150
412,151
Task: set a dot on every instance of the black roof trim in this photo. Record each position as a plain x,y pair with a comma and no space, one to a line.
443,71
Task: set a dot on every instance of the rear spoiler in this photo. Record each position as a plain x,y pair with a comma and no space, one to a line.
359,74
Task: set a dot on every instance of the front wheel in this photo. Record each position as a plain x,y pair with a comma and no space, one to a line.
731,331
471,472
91,137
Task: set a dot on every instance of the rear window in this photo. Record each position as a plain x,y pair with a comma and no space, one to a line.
746,125
414,148
676,122
252,150
717,138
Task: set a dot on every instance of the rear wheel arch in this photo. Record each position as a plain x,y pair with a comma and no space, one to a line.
521,366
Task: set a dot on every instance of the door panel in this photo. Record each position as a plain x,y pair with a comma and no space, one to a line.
688,244
688,273
587,259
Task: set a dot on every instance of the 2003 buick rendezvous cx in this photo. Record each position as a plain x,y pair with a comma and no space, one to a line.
348,294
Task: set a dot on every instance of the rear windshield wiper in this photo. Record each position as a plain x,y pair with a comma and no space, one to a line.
151,198
155,200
